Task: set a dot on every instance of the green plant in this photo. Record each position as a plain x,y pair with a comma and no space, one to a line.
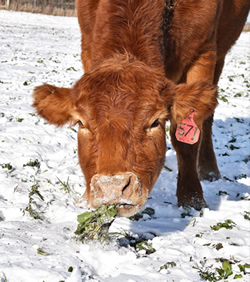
9,167
243,268
243,175
167,265
233,140
138,216
218,246
70,269
71,69
167,168
223,98
247,215
220,273
225,271
41,252
238,95
228,224
144,245
232,147
95,225
34,163
221,193
65,185
193,222
32,203
239,120
246,198
207,275
4,277
228,179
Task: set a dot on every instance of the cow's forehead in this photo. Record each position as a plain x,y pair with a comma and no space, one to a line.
123,91
122,104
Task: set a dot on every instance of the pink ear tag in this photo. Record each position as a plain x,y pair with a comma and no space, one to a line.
187,131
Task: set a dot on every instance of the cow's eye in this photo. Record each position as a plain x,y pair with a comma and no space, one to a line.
155,123
80,124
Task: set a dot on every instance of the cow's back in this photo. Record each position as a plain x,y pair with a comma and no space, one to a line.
193,26
86,13
116,26
231,23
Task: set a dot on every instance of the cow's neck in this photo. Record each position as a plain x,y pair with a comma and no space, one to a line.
133,27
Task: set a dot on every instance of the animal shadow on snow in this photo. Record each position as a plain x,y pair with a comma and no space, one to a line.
231,144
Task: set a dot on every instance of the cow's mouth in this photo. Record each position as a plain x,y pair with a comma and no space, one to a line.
125,206
127,209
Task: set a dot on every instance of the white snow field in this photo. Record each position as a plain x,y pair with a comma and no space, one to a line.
41,181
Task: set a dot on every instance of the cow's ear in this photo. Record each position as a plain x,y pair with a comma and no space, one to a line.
198,96
53,103
167,95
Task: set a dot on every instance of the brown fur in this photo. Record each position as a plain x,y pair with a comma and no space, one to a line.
132,57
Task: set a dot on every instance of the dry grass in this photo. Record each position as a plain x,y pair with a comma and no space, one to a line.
48,10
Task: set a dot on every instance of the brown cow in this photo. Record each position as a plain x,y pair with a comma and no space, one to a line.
134,52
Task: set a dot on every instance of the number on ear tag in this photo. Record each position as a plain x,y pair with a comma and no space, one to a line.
187,131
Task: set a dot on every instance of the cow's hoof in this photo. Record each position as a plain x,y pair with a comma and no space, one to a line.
210,176
197,204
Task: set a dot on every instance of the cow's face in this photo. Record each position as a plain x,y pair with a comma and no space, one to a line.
121,136
121,109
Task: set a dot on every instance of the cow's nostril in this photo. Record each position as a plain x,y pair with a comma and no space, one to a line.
126,185
128,189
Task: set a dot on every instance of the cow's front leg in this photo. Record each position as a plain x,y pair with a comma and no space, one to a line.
189,190
205,68
208,169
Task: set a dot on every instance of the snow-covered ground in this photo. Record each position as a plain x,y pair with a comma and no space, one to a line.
41,181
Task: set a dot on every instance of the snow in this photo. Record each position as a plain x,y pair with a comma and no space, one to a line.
40,176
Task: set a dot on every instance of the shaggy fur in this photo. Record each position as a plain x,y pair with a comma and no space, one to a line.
134,52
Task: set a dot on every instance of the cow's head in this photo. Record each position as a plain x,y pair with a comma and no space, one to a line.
121,108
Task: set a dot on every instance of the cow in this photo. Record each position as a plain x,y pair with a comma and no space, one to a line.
145,62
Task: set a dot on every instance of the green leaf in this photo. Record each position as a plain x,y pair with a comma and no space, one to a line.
95,225
225,271
226,265
41,252
167,265
34,163
138,216
81,218
228,224
223,98
149,211
218,246
243,267
144,245
221,193
167,168
227,268
237,276
70,269
247,215
193,222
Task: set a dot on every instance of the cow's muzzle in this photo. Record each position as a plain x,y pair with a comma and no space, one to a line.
125,190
